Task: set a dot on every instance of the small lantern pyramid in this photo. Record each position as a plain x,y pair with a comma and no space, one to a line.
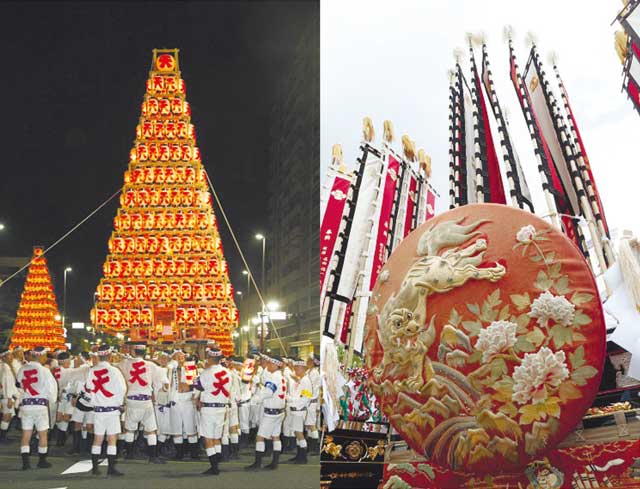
165,278
38,321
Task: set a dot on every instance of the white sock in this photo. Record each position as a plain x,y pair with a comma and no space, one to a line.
277,446
4,425
42,450
96,449
211,451
193,439
246,432
128,437
314,435
233,437
63,425
122,436
152,440
84,435
177,439
218,448
225,440
259,446
302,443
162,438
26,449
112,450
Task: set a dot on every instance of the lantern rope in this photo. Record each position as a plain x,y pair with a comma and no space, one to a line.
255,285
63,236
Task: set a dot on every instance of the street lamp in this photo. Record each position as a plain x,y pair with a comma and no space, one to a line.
64,296
261,237
1,227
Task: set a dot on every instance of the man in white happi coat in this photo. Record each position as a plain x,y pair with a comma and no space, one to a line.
235,368
311,421
161,400
39,390
299,393
215,386
256,402
68,377
141,375
82,415
182,410
245,372
107,389
273,397
8,393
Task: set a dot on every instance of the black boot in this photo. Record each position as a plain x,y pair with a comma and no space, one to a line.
95,462
85,445
268,448
258,462
194,449
294,460
112,466
128,450
26,465
213,460
163,448
153,455
75,447
42,462
301,457
252,435
274,463
179,451
62,438
235,451
3,435
120,448
225,453
244,440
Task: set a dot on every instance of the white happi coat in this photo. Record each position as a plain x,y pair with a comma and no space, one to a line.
37,382
8,389
106,387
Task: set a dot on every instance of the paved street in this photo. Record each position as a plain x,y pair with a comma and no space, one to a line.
140,474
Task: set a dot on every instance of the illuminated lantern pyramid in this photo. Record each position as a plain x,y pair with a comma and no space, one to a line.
165,278
38,321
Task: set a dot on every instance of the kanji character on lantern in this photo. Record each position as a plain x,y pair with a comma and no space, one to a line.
129,292
158,84
147,270
143,152
176,153
147,130
141,291
152,106
186,152
176,105
198,292
164,154
181,269
153,153
185,244
152,242
170,130
153,291
118,292
126,268
164,244
169,291
171,84
185,291
192,315
136,222
171,175
164,107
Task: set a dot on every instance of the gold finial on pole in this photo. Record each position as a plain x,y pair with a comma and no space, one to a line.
621,42
368,133
409,148
336,154
388,132
425,162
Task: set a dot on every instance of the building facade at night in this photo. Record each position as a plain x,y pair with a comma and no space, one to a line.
293,246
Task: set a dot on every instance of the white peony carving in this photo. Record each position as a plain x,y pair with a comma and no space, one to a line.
548,306
497,337
537,372
526,234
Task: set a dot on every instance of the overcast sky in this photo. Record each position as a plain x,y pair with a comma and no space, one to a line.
389,60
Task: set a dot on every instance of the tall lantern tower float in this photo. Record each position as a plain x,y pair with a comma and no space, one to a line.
38,321
165,277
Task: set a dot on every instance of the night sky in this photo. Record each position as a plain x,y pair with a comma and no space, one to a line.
72,84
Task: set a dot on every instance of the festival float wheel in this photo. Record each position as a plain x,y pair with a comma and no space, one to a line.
485,338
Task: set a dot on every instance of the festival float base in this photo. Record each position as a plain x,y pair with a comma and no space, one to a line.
603,451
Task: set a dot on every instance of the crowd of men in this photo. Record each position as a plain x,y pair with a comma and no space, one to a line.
166,404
